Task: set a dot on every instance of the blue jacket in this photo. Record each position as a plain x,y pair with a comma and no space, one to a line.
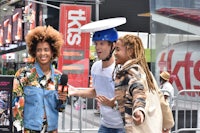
40,96
37,102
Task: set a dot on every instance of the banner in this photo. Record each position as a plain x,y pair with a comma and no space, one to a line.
7,30
1,35
30,17
6,86
182,61
17,25
74,59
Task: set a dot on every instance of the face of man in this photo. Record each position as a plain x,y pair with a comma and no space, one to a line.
102,49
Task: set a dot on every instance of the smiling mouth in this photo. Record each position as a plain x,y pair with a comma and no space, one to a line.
98,53
43,58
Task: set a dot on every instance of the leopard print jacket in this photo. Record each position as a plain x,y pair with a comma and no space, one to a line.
130,90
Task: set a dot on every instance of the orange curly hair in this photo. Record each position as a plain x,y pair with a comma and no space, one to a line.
44,34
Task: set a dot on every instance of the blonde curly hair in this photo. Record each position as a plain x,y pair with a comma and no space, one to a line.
44,34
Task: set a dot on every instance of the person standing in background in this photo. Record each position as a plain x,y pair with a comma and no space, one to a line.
166,86
35,88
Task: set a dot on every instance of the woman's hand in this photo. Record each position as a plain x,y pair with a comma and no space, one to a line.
165,130
105,101
62,96
138,117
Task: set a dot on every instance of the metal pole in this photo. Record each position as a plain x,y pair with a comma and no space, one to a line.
71,118
80,114
46,4
28,22
97,10
63,119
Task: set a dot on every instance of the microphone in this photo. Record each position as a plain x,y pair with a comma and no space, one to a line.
63,82
62,87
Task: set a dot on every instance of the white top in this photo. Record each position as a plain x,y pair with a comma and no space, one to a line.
170,89
104,85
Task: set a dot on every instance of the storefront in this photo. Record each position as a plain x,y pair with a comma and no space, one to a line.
22,17
175,36
12,60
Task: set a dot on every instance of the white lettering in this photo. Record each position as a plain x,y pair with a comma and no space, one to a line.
74,32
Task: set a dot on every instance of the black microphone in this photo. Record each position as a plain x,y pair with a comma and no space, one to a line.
63,81
61,87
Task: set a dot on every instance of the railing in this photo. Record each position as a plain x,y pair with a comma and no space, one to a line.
80,117
187,105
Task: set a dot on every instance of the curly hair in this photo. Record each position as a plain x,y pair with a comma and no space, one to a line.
44,34
136,51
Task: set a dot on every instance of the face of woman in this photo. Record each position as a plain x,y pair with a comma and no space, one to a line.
43,53
120,53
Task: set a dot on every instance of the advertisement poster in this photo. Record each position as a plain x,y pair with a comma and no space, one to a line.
41,15
17,25
6,86
1,35
74,59
182,61
30,17
7,30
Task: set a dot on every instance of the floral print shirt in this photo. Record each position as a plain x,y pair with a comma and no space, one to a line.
30,75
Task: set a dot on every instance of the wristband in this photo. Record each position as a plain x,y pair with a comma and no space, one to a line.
115,105
165,129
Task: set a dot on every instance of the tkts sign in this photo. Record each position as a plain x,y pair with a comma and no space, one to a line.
74,59
183,62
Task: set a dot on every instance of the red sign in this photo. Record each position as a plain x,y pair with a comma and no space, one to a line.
74,59
182,61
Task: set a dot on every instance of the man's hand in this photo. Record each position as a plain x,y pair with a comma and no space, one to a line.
72,91
138,117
